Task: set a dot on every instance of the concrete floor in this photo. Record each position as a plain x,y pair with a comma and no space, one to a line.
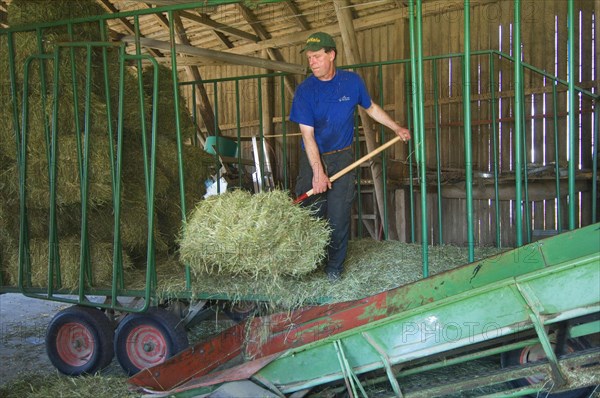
23,323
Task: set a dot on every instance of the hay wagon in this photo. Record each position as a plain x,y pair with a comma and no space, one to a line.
99,167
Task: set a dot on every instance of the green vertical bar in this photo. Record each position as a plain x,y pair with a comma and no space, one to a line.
495,149
467,128
119,163
117,273
438,160
595,167
572,112
284,133
518,117
238,126
383,159
261,152
150,254
357,155
421,147
416,57
53,248
177,120
138,51
409,103
526,204
53,260
24,258
556,159
149,165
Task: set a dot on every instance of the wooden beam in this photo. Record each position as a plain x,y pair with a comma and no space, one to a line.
221,56
344,17
273,54
189,61
166,2
203,104
297,15
371,21
164,22
219,26
110,8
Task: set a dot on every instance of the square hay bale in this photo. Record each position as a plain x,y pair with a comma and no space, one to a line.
257,236
69,250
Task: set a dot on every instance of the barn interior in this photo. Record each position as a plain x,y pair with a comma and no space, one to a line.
119,116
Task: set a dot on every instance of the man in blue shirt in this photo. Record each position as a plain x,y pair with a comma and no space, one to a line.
324,106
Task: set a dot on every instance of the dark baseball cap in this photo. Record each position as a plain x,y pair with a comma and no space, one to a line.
317,41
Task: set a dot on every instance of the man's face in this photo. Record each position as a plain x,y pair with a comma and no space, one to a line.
321,63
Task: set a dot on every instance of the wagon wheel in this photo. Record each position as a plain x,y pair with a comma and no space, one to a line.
535,353
148,339
79,340
240,310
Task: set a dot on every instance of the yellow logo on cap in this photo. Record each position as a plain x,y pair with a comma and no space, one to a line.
313,40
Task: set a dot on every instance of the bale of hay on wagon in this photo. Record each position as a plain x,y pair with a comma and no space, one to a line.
259,236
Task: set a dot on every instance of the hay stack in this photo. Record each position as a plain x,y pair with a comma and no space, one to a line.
260,236
101,255
134,213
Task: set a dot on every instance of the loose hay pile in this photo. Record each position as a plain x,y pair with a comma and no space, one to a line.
55,385
370,268
263,236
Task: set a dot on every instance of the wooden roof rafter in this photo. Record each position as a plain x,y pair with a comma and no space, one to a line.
3,14
202,102
221,56
110,8
219,34
272,53
297,15
204,20
361,23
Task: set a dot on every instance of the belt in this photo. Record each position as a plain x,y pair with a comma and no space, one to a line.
337,150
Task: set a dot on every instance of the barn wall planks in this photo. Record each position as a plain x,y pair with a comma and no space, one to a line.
544,46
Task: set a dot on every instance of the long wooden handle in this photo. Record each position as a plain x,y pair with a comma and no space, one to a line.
351,166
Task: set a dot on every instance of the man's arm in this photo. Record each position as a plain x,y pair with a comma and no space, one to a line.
320,181
381,116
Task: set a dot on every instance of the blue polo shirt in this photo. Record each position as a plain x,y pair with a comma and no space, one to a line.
329,106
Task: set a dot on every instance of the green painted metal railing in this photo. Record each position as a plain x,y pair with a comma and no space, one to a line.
417,147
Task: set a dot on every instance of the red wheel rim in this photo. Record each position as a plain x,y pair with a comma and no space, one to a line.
146,346
75,344
535,353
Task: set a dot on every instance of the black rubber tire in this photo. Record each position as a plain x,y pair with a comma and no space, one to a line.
517,357
147,339
79,340
240,311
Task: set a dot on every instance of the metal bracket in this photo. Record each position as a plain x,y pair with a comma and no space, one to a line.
528,296
386,363
258,178
349,377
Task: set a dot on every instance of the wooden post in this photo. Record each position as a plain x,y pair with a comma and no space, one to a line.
202,102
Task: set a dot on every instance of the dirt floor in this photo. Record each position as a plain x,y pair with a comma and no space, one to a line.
23,323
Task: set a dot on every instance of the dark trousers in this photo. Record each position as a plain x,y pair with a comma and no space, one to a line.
334,205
